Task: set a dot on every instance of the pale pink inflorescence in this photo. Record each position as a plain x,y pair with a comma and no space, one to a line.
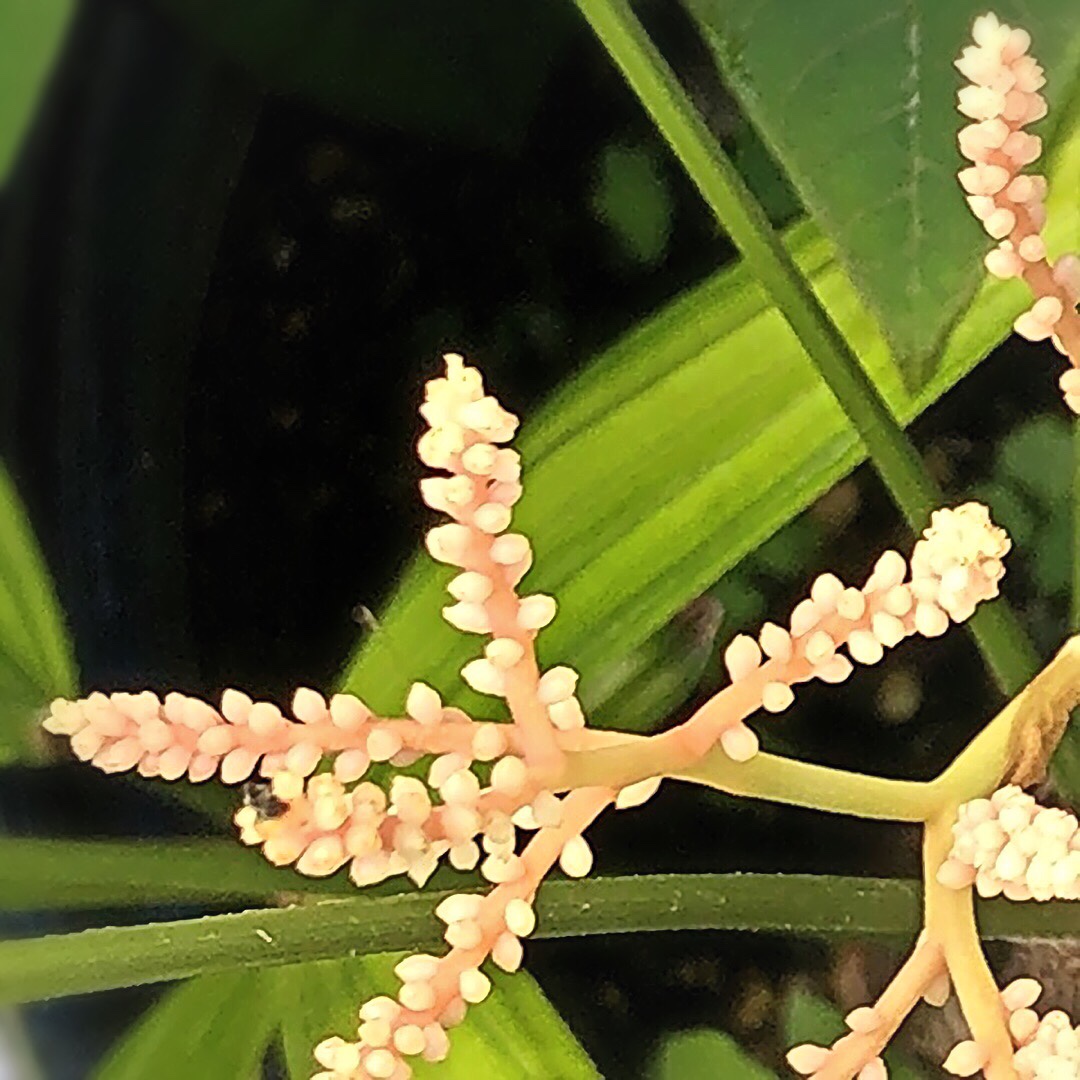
1010,845
466,428
1002,100
182,736
484,783
436,992
1047,1047
320,822
956,564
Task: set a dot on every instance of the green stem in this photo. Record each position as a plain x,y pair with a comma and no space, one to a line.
1010,655
78,963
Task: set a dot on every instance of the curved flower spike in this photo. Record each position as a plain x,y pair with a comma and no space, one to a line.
1003,99
955,565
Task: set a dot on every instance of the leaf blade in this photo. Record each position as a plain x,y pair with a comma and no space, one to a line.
216,1025
857,101
323,929
30,34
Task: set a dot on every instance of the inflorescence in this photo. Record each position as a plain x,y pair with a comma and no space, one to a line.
1003,99
503,798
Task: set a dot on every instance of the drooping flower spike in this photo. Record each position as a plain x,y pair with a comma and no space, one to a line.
1002,100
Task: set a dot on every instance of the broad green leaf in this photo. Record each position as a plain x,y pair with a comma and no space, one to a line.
705,1054
810,1018
36,662
217,1025
658,468
462,71
857,101
30,33
318,1000
324,929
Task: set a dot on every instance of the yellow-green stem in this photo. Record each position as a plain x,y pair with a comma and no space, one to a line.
950,921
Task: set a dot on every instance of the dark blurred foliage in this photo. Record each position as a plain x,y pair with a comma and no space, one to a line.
218,309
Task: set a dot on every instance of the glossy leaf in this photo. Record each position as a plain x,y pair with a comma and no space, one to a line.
858,102
30,33
704,1054
444,71
657,469
217,1025
324,929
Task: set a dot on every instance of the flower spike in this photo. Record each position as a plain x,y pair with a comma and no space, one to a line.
1002,100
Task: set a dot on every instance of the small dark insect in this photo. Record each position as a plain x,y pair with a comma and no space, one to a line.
267,805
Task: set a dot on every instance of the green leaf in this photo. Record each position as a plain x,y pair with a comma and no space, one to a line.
63,964
810,1018
858,103
30,34
321,999
42,875
636,691
36,662
632,199
217,1025
460,71
516,1033
704,1055
656,470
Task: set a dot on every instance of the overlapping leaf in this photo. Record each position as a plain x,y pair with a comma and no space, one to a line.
704,1054
857,100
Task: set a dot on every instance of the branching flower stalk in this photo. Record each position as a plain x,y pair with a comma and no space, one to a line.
486,781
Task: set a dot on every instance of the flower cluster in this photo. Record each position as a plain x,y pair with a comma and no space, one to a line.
484,784
1046,1047
1002,100
1009,845
956,564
